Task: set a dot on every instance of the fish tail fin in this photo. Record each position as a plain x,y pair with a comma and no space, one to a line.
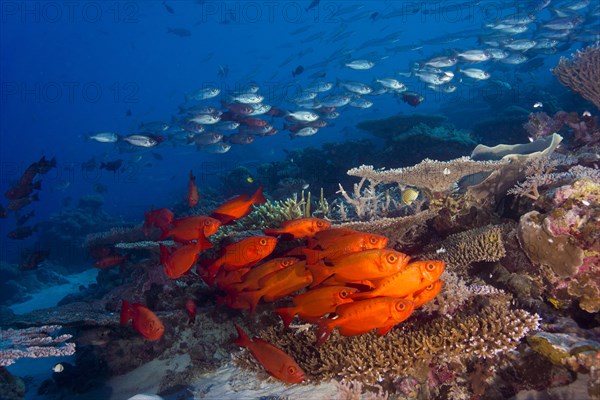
252,298
126,312
319,273
165,233
259,197
164,253
271,232
192,177
213,268
324,330
203,243
243,340
286,314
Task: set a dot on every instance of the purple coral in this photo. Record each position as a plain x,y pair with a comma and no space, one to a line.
541,125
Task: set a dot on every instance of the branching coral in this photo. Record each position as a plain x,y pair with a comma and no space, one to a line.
462,249
411,347
36,342
367,202
581,73
435,176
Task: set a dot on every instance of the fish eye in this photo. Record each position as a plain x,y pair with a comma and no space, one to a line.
392,258
319,223
343,294
291,370
263,241
430,287
430,267
373,240
400,306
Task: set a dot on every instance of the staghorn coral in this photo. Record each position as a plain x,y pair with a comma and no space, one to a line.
462,249
435,176
36,342
581,73
410,348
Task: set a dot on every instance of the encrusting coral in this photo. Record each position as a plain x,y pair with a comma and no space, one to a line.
412,348
462,249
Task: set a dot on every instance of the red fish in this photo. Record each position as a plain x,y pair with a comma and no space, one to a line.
190,307
316,303
192,195
181,260
186,229
278,284
110,261
244,253
414,277
238,207
161,218
274,360
251,278
427,294
299,228
364,265
346,244
144,321
16,205
22,189
359,317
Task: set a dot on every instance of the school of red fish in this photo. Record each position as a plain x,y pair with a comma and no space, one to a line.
336,277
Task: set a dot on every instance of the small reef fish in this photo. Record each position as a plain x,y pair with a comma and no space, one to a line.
316,303
203,94
110,261
412,98
246,252
360,64
409,196
22,189
412,278
161,218
187,229
299,228
274,360
192,194
179,261
359,317
190,308
22,232
144,321
140,140
238,207
364,265
113,166
18,204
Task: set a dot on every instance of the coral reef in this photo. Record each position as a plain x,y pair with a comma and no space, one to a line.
462,249
581,73
64,232
435,176
37,342
17,286
414,348
392,127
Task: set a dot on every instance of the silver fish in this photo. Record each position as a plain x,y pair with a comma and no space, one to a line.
207,119
355,87
304,116
360,64
475,73
203,94
140,140
104,137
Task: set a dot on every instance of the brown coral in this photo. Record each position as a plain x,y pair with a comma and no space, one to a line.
462,249
411,347
581,74
436,176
